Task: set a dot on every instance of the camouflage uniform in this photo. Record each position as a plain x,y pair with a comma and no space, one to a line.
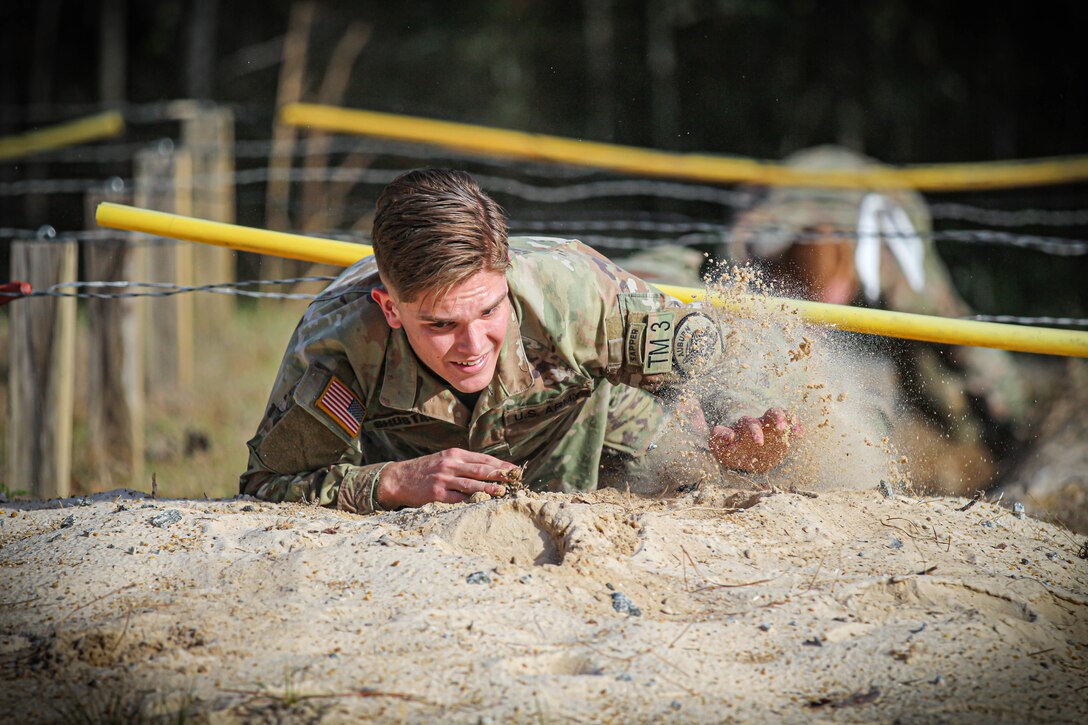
563,389
665,264
944,379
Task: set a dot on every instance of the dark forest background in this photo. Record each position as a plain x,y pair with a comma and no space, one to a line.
906,82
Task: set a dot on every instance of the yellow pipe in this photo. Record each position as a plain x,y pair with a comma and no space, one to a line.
91,128
910,326
855,319
220,234
696,167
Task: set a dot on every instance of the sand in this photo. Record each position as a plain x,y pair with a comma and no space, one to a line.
832,600
836,605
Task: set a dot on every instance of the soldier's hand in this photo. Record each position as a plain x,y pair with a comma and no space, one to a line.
449,476
756,444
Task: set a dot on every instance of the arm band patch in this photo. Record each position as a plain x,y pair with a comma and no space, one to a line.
698,343
659,333
632,343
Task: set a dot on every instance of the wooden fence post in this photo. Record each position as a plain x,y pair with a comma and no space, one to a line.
42,350
207,134
115,360
164,183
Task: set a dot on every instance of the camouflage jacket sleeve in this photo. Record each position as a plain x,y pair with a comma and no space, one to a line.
599,317
294,457
299,455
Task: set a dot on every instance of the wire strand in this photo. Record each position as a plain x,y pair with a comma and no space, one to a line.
167,289
685,234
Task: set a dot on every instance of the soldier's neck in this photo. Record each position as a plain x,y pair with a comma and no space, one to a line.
467,399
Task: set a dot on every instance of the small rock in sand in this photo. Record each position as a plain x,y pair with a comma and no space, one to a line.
166,518
623,604
478,577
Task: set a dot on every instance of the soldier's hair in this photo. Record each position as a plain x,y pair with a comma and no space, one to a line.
435,228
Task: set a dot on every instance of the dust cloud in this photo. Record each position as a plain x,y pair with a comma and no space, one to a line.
844,394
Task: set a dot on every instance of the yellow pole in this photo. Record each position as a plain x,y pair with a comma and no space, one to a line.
855,319
696,167
910,326
92,128
221,234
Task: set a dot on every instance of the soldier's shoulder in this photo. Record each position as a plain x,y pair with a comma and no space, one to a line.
549,266
544,247
358,279
345,309
544,258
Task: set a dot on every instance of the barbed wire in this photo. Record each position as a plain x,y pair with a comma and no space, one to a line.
1010,218
48,186
263,149
692,233
736,199
167,289
686,234
380,177
47,235
134,113
1057,247
47,112
1050,245
305,148
130,240
333,143
1017,320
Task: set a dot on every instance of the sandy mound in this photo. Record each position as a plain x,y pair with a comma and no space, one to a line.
717,606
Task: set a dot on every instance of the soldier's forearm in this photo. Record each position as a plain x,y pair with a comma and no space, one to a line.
358,491
343,486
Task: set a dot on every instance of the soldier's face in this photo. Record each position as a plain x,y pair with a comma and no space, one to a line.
457,336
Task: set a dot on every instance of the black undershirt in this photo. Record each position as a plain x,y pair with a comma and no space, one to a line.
468,399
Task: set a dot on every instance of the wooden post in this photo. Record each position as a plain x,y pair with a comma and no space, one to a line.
207,134
42,350
115,362
164,183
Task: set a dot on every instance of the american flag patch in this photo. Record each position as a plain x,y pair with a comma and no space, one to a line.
340,403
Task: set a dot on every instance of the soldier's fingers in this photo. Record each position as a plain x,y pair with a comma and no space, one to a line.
468,486
723,434
448,495
776,418
479,459
754,426
478,472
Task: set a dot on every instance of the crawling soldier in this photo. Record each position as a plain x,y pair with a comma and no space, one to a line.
424,372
